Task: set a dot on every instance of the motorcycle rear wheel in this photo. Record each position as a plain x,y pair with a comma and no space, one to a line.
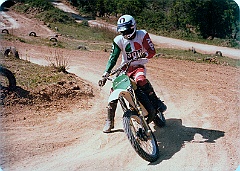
159,120
145,146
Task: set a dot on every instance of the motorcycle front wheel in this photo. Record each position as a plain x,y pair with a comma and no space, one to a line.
145,145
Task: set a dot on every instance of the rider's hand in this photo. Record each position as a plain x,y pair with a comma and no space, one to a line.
103,81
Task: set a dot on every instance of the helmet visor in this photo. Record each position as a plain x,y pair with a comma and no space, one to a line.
127,32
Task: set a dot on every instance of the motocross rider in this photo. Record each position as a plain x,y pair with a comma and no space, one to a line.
132,43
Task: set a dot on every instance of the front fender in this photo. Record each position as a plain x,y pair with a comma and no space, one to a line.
124,93
120,92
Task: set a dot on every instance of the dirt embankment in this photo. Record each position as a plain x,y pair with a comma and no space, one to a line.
202,131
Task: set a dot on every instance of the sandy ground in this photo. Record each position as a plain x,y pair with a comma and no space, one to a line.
202,131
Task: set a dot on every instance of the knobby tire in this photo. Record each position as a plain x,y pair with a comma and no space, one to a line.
150,156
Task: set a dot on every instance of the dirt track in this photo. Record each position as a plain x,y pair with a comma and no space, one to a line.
202,131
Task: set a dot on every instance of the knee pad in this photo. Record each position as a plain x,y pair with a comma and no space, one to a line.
141,80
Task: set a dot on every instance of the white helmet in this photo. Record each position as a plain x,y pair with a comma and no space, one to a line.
126,25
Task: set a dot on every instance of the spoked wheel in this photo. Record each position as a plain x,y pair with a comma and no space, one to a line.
143,143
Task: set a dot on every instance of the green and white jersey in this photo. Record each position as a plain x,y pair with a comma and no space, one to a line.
130,49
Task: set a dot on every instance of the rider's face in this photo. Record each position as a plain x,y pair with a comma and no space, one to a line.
127,33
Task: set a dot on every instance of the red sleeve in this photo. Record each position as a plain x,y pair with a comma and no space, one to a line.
148,45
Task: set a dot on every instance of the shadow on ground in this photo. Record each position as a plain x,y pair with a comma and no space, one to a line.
174,135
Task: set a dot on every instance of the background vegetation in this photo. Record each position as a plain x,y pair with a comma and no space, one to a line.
207,21
101,38
44,10
186,19
64,22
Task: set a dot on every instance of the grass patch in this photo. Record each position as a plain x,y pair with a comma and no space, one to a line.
43,87
44,10
82,32
29,75
64,22
93,38
196,38
196,57
33,40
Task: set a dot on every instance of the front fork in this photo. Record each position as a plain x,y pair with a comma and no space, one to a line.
139,110
144,121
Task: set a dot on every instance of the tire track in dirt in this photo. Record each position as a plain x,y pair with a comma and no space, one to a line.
117,145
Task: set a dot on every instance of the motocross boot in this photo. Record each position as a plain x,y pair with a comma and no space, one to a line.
157,103
143,98
110,117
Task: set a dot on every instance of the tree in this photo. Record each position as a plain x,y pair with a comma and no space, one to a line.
210,18
131,7
214,18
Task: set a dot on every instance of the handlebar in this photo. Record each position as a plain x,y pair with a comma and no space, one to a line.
124,67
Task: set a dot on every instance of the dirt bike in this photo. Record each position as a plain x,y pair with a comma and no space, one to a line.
7,79
135,117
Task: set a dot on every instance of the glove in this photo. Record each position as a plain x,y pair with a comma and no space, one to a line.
103,81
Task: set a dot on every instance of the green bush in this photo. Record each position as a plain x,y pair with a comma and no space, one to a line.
55,15
40,4
45,11
85,23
